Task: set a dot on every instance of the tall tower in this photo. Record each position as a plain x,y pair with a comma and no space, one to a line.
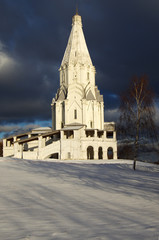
78,100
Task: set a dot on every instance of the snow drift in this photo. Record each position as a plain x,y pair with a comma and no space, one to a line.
89,200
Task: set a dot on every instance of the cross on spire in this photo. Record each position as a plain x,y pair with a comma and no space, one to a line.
76,9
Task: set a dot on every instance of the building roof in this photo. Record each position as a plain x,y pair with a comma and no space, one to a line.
36,137
27,140
109,126
73,126
41,130
18,135
76,50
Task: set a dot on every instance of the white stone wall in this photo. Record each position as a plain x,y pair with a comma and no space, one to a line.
8,151
73,146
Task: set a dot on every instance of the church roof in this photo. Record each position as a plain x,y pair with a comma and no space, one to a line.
41,130
72,128
76,50
90,96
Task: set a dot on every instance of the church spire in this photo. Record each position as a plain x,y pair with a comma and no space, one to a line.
76,50
78,99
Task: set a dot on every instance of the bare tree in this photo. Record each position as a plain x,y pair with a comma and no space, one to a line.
137,112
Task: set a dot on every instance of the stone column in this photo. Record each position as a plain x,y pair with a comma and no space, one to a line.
114,135
96,153
76,134
62,135
105,156
95,133
115,156
8,143
21,151
4,143
16,145
104,135
102,115
41,142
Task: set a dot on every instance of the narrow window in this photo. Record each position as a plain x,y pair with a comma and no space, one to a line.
75,114
109,134
100,153
90,152
87,75
110,153
69,155
91,124
63,77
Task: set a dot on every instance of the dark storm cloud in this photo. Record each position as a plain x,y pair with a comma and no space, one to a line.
122,37
128,43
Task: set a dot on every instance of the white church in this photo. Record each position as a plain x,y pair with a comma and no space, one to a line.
78,127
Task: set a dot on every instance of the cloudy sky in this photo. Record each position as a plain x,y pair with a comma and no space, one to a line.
122,38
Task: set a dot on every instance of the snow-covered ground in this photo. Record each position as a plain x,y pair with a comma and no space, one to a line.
84,200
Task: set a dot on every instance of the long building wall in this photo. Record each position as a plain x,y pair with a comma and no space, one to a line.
67,143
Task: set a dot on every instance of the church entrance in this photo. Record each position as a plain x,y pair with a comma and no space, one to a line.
100,153
110,153
90,152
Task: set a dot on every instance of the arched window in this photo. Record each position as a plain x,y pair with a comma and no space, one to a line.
100,153
90,152
110,153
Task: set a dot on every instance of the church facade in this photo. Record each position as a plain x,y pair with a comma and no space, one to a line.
78,127
78,99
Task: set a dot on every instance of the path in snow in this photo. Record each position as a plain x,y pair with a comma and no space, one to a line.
56,201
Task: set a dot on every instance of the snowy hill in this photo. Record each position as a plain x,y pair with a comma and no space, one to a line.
93,200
